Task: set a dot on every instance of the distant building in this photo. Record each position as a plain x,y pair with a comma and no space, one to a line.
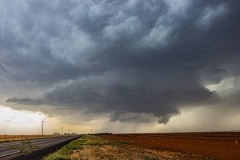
56,133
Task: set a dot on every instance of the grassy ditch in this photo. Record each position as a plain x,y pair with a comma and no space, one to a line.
73,150
65,152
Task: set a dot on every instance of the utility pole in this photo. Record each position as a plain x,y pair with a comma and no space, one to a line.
68,131
42,127
62,130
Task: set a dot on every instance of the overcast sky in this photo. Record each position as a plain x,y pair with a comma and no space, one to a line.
163,65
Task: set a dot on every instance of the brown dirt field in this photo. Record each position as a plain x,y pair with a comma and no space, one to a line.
6,138
212,145
97,148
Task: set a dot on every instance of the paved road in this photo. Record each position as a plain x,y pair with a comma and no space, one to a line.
33,149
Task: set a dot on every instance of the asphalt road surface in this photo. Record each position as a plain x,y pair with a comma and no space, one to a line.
33,149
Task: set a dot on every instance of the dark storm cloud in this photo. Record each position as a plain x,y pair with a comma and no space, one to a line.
127,58
25,101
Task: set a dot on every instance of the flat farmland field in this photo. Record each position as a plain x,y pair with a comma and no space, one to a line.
206,145
6,138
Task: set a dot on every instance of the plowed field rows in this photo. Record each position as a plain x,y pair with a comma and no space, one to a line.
215,145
